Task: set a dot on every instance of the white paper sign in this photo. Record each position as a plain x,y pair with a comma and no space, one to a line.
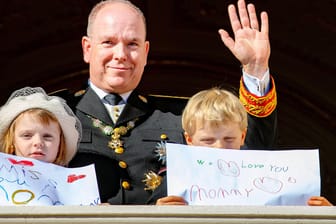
209,176
25,181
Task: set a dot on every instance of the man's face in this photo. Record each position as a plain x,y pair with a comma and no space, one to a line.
116,50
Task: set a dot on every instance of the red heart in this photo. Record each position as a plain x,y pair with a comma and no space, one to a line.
74,177
21,162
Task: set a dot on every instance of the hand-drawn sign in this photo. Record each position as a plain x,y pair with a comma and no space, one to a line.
25,181
242,177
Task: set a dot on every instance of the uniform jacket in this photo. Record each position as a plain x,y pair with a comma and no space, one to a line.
115,169
121,176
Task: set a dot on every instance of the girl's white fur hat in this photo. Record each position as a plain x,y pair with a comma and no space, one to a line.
28,98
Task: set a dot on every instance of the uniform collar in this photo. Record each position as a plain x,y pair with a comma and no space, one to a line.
101,93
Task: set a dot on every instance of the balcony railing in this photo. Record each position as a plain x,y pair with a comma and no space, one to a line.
167,214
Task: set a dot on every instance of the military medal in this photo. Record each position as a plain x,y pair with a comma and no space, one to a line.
115,143
152,180
161,152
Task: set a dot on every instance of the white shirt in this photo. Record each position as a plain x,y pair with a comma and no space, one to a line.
114,111
256,86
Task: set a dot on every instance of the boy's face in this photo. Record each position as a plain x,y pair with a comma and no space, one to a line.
226,135
36,140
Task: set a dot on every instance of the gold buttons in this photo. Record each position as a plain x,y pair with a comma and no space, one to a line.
119,150
122,164
126,185
163,136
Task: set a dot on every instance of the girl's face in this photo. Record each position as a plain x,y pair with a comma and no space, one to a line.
36,140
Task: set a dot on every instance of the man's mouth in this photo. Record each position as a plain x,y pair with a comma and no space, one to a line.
123,68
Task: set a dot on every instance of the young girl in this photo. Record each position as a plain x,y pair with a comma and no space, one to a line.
38,126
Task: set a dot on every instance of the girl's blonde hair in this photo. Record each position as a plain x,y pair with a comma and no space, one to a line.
43,116
213,105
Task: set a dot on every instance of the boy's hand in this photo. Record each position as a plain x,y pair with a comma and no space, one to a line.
318,201
171,200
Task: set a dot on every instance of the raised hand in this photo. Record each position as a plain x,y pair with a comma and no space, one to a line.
251,44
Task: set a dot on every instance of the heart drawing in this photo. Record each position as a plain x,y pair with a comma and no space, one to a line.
268,184
229,168
73,177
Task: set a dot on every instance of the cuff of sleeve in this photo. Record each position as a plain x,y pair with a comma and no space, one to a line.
259,87
258,106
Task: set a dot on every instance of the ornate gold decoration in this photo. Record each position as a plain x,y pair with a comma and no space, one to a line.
115,143
152,180
258,106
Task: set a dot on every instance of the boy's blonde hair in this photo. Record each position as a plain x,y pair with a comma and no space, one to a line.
214,105
43,116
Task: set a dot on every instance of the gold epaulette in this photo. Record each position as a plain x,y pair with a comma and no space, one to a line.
258,106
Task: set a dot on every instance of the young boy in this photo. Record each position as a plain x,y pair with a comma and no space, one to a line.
215,118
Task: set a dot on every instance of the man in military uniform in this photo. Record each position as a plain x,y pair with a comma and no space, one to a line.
123,130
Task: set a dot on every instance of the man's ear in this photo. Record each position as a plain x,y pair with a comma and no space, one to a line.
86,47
146,50
188,138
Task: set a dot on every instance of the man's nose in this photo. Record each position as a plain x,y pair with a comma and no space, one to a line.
119,52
